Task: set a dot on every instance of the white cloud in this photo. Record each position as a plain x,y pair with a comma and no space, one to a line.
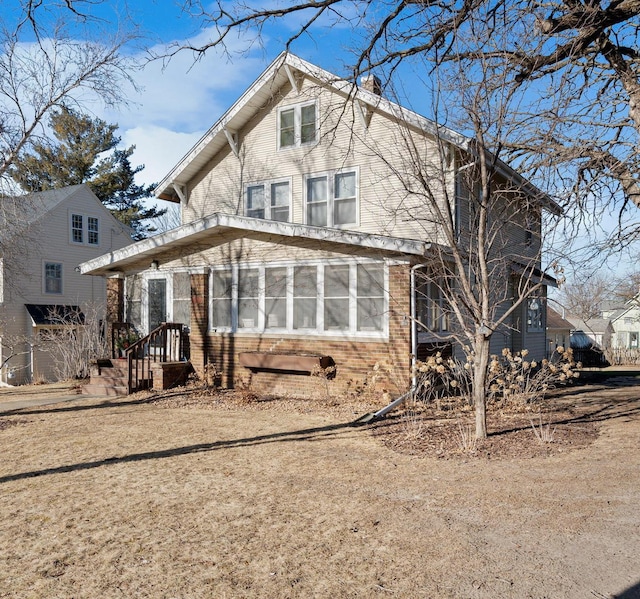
158,148
178,102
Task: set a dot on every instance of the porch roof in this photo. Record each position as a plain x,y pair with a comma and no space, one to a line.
218,229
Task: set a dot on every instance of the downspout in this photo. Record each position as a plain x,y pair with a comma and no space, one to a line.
367,418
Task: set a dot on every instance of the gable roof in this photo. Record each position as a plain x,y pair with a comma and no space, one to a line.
273,78
555,321
218,229
593,325
17,213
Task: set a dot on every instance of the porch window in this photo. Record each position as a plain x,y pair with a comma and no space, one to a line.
248,298
53,277
331,199
297,125
333,298
275,293
270,200
336,297
221,294
370,297
305,293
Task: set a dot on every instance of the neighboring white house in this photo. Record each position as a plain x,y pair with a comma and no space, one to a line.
44,237
299,238
625,320
598,330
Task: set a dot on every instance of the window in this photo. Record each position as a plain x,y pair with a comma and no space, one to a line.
270,200
534,315
370,297
221,294
275,294
92,230
53,277
248,298
431,306
334,298
77,229
331,199
85,229
305,294
633,340
297,125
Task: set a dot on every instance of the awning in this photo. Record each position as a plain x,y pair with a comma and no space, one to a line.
218,229
55,314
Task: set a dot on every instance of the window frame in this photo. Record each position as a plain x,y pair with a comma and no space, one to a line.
331,197
268,185
297,125
46,278
539,325
88,230
261,324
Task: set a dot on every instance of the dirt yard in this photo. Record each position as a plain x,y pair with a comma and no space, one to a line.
205,495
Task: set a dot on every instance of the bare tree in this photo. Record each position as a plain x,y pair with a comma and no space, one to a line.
584,296
43,67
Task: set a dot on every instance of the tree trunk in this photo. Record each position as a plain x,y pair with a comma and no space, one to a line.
480,366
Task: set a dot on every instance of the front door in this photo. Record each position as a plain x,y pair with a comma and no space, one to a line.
157,313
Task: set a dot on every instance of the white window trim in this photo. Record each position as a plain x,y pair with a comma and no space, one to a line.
318,330
267,188
330,175
85,229
44,278
297,109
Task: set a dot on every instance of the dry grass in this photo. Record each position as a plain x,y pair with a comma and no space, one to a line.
198,496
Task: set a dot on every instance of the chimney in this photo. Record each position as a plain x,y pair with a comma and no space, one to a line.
372,84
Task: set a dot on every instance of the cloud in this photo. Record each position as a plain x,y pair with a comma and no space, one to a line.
178,102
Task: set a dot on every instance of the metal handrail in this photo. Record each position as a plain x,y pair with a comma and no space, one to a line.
164,344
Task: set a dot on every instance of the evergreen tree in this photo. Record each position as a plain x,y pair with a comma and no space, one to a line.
77,155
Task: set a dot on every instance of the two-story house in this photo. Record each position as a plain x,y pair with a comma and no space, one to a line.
301,245
44,237
625,320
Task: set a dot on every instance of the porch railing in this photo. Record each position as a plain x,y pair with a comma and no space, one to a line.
165,343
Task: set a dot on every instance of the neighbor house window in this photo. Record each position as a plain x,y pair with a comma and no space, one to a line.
92,230
331,199
53,277
270,200
77,228
330,298
85,229
297,125
534,315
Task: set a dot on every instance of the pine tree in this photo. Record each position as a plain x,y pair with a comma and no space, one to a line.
77,155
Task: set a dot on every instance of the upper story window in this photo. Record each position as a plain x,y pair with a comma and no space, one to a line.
270,200
53,277
85,229
297,125
332,199
77,228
